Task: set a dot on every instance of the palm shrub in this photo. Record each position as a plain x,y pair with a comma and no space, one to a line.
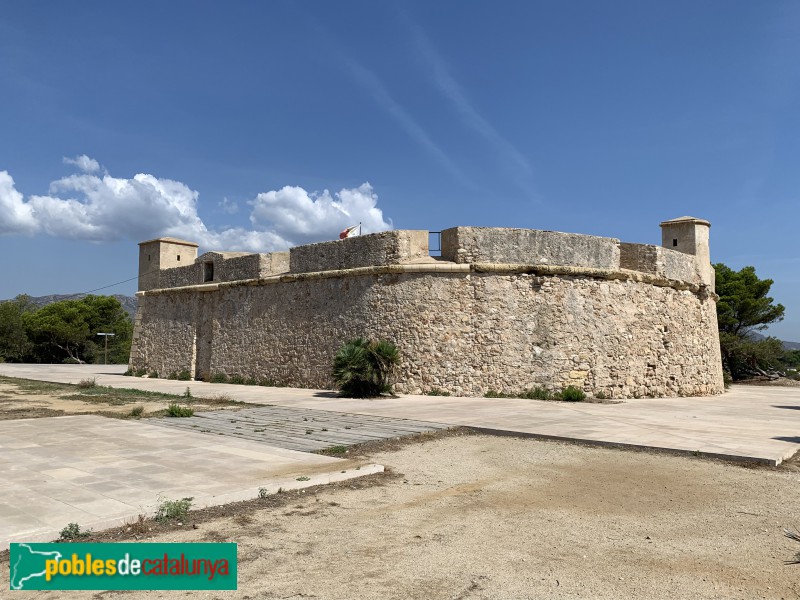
362,368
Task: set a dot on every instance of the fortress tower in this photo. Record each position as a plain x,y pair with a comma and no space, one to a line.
690,236
162,253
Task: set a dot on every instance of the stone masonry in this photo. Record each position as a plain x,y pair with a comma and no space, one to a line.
502,309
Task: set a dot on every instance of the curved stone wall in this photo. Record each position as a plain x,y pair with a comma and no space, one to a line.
460,328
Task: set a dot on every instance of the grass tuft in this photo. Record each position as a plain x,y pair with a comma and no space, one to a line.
73,531
176,410
169,510
437,392
572,394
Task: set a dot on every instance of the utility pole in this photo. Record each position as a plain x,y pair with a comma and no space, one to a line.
106,336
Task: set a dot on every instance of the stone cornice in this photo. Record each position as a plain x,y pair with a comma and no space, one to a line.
453,268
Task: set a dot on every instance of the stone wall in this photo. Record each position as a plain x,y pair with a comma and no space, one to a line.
228,266
179,276
463,332
528,246
250,266
386,248
659,261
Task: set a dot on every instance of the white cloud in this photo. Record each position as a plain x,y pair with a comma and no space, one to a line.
295,214
15,215
103,208
230,207
84,163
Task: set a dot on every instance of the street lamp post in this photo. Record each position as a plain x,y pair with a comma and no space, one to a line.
106,336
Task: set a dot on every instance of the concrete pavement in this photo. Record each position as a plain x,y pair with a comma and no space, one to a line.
100,472
754,423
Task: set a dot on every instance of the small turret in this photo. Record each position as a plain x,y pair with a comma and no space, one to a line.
162,253
690,236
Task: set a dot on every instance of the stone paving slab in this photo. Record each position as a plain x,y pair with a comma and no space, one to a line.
755,423
100,472
300,429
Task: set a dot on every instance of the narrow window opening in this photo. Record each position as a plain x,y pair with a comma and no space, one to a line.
208,271
148,258
674,242
179,258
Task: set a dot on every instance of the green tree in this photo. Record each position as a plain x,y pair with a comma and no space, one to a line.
67,330
743,302
58,331
14,343
104,314
743,357
743,308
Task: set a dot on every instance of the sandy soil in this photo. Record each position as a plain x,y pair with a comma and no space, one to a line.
496,517
781,381
19,404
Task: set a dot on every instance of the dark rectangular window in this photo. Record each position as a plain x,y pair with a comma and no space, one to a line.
674,242
208,271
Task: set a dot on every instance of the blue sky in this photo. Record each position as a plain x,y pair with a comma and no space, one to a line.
227,122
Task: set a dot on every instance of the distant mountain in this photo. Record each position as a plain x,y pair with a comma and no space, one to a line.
128,302
754,335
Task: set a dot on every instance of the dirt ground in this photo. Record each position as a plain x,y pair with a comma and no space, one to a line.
781,382
474,516
25,399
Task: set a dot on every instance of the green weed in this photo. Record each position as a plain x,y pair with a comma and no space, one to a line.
73,531
176,410
172,509
437,392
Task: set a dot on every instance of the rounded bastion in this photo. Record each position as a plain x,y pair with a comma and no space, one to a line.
500,309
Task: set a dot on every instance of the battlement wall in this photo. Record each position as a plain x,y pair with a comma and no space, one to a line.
459,246
528,246
386,248
225,267
658,261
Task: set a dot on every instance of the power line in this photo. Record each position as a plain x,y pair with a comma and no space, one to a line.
114,284
107,286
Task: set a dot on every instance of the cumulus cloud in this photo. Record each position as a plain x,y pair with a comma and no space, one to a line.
15,215
100,208
295,214
84,163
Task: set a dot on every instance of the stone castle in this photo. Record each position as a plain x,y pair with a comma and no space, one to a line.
500,309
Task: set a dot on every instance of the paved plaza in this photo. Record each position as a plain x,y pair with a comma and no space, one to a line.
300,429
754,423
100,472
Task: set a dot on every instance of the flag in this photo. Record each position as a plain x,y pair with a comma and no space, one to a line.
349,230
